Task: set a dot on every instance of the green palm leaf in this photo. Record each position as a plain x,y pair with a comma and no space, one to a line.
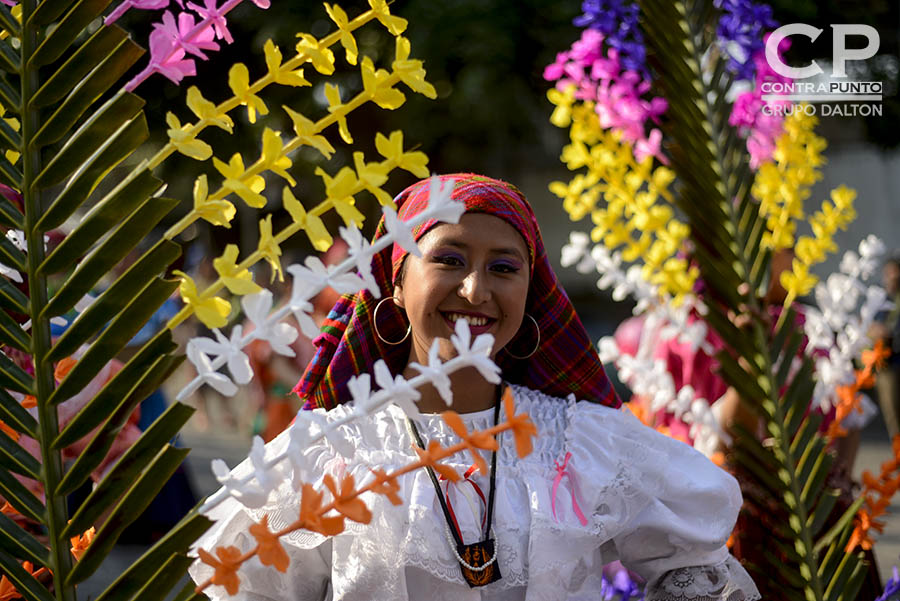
785,477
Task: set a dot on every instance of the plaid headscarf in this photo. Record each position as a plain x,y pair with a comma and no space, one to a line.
565,362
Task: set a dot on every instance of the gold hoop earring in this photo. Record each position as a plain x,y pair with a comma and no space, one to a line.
375,324
537,345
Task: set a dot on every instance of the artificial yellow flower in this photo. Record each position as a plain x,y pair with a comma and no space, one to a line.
337,108
392,150
376,86
207,111
273,157
312,224
337,14
563,101
185,142
340,191
282,76
320,56
307,133
239,82
217,212
395,25
372,176
798,281
236,180
213,312
269,248
410,71
237,281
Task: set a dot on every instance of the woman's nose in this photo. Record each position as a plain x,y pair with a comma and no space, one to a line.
474,288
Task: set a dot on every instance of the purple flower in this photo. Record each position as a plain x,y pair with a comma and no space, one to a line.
618,22
891,588
742,25
617,580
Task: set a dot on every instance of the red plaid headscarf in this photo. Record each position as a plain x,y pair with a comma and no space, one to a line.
565,362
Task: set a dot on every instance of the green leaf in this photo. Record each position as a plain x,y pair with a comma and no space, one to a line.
20,497
10,216
60,39
105,40
117,148
833,554
9,96
9,138
15,416
812,487
840,527
129,508
24,582
9,23
128,468
114,338
121,202
14,377
9,174
90,136
20,544
48,11
805,434
787,357
9,58
106,255
96,451
12,298
177,540
189,593
116,391
819,516
16,459
839,579
157,587
11,333
115,298
10,255
735,375
86,93
849,590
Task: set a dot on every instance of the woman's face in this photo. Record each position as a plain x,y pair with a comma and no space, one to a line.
475,270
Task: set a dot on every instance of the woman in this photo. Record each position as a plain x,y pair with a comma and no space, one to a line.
598,486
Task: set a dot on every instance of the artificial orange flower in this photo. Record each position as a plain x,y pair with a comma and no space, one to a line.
226,567
63,368
431,457
8,509
347,501
7,590
860,537
877,356
474,441
865,378
80,543
29,402
386,485
269,550
521,425
311,510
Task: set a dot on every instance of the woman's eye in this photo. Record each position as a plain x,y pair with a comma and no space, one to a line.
504,268
447,260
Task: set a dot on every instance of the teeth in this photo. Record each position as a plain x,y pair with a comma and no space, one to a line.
472,321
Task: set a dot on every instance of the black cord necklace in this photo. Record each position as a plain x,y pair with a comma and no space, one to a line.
477,561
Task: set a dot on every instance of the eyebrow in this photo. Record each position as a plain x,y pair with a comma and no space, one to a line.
497,251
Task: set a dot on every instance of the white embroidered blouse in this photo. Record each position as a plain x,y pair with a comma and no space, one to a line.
652,502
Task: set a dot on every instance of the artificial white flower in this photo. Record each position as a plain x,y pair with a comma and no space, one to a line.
11,273
477,353
231,349
397,389
205,375
364,402
246,493
440,206
608,349
361,254
278,335
435,373
400,232
316,277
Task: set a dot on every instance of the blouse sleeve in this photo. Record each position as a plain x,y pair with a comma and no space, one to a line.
667,509
308,576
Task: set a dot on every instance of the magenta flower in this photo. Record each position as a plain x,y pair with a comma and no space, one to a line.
181,34
167,57
128,4
216,16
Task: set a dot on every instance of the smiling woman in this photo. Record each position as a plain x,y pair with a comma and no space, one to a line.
597,487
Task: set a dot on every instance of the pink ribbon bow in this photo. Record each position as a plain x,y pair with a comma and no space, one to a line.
562,470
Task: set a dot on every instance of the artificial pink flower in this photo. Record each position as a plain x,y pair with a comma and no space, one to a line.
167,57
184,36
216,17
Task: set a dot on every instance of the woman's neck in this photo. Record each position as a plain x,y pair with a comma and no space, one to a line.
471,393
